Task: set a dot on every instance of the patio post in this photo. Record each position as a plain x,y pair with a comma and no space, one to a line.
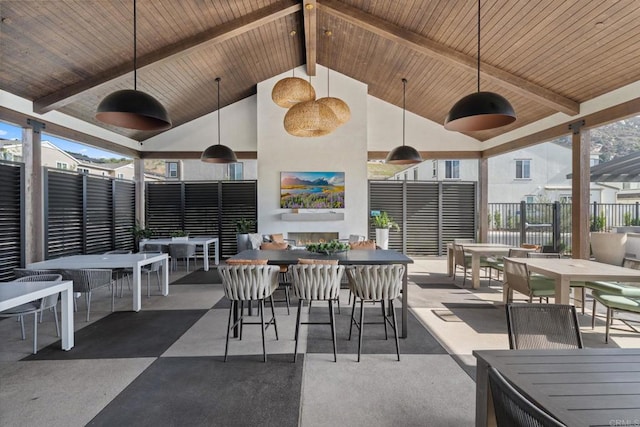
138,173
33,203
580,178
483,199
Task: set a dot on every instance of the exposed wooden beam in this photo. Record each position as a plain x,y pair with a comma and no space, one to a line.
173,52
449,56
431,155
599,118
20,119
190,155
310,35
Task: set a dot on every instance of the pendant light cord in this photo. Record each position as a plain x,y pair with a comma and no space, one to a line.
218,81
135,51
478,45
404,100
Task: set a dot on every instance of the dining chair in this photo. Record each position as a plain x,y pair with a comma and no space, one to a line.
615,296
517,278
154,267
464,261
543,326
497,263
249,281
512,408
182,251
317,282
86,280
119,274
377,283
284,276
35,307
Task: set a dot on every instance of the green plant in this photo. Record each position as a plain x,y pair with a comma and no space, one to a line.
497,219
244,225
628,221
328,247
141,232
384,221
598,223
179,233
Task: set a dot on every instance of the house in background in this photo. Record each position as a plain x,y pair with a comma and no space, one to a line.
196,170
55,158
533,174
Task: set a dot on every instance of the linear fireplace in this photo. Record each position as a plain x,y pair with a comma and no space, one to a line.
304,238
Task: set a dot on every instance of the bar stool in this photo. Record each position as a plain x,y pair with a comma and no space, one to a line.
249,282
317,282
375,283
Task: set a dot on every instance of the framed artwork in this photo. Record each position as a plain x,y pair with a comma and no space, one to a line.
315,190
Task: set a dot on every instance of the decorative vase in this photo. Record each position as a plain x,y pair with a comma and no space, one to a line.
242,241
382,238
608,247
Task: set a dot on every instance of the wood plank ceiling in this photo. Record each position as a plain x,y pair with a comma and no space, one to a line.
544,56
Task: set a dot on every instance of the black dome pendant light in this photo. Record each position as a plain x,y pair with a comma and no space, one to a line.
219,153
480,110
403,154
133,109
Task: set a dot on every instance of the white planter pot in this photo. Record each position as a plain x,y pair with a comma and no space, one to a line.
382,238
608,247
180,239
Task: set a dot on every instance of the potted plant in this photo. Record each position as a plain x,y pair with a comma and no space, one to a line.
382,223
244,226
608,248
140,234
179,235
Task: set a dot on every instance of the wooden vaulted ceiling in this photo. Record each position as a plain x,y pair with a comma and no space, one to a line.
544,56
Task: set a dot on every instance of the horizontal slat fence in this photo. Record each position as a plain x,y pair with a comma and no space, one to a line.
11,218
430,214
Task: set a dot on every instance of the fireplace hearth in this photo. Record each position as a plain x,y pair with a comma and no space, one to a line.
304,238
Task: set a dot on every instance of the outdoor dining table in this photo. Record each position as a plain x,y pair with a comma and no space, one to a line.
567,270
133,261
451,265
580,387
198,241
13,294
352,257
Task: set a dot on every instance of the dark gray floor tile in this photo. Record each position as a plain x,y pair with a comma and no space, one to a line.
125,334
418,341
205,391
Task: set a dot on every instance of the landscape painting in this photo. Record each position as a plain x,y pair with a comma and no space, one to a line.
316,190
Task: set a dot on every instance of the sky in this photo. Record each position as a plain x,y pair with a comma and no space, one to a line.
8,131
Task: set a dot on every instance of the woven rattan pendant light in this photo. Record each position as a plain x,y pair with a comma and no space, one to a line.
310,119
218,153
404,154
292,90
480,110
337,105
133,109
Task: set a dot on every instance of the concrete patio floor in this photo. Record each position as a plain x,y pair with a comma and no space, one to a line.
163,365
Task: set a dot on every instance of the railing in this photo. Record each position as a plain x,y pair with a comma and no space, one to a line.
549,224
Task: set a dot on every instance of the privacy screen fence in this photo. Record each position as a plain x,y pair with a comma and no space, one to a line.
86,214
430,214
201,209
11,218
